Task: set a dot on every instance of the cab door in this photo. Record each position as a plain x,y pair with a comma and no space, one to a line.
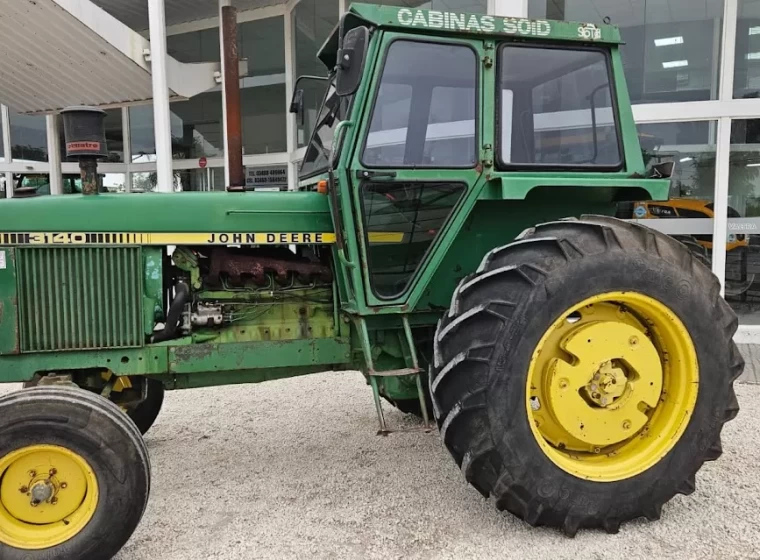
418,157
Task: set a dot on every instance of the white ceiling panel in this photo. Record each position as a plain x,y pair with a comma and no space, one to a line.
134,13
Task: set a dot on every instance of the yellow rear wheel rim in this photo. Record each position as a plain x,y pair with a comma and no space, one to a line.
48,495
612,385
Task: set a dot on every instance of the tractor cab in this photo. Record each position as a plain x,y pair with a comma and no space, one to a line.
429,115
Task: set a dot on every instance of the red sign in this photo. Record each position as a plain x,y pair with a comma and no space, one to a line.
83,146
202,163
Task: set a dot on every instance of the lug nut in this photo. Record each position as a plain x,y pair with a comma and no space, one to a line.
53,501
64,486
633,341
53,472
597,450
35,503
627,425
563,383
32,473
23,490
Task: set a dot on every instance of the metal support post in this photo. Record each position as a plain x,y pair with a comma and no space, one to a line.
161,110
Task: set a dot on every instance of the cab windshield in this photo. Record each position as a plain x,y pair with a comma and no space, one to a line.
334,109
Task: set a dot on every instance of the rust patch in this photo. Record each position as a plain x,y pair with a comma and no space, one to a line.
193,352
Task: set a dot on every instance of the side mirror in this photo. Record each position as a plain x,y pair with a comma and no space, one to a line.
297,105
662,170
351,59
298,101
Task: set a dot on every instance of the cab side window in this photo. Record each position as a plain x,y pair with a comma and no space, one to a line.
424,113
556,108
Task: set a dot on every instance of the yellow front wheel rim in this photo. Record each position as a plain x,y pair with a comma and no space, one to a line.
48,495
612,385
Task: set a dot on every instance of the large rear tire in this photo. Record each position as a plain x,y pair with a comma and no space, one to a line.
583,374
74,475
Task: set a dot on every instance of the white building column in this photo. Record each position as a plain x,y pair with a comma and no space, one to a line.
7,152
511,8
223,3
54,154
126,142
161,111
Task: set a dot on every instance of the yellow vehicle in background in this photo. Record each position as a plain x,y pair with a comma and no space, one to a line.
690,208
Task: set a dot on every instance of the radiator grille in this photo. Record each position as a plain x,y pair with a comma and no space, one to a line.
80,298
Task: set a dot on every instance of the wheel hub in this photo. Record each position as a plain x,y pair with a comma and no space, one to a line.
592,401
607,385
47,494
612,385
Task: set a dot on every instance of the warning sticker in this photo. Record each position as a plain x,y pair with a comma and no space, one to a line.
2,260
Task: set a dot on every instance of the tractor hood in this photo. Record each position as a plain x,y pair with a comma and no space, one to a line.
218,212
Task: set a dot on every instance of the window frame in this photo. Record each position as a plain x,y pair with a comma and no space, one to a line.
376,94
425,257
503,166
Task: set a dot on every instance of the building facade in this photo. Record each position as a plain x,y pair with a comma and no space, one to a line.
692,67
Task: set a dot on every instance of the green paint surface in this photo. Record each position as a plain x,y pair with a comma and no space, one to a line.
9,331
185,212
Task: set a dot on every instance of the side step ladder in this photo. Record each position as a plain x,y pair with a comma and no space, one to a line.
415,370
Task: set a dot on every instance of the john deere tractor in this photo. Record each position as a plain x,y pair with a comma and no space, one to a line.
451,238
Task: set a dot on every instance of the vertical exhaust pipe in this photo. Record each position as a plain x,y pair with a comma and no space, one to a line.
231,88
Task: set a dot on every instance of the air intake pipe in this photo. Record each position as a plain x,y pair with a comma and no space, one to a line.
85,135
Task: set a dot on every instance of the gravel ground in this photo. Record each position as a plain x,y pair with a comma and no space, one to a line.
293,469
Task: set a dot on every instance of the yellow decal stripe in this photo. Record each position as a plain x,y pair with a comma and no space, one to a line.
251,238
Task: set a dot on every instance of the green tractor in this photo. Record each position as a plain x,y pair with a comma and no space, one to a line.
451,238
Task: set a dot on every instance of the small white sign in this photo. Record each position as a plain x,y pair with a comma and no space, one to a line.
269,177
2,260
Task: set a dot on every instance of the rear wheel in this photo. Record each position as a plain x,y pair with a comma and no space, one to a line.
74,475
583,374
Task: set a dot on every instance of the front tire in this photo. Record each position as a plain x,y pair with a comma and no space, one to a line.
74,475
583,374
145,413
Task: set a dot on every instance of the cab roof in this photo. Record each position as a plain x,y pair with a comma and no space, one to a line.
462,23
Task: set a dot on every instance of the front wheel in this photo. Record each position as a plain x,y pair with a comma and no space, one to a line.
74,475
143,411
583,374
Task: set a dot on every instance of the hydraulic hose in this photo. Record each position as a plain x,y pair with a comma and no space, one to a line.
181,295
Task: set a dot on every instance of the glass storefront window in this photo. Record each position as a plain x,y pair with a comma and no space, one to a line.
197,129
743,242
747,62
313,20
28,138
687,214
196,124
205,180
263,95
671,51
